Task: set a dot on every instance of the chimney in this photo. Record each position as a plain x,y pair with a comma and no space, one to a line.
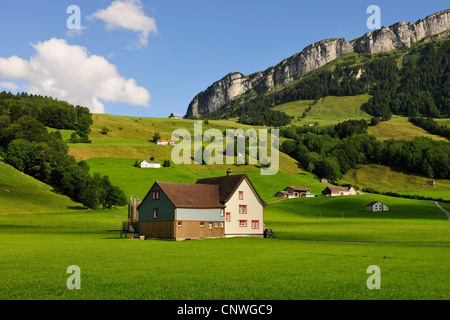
229,172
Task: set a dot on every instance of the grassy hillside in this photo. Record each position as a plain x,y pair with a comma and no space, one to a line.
387,179
327,111
20,193
399,128
136,181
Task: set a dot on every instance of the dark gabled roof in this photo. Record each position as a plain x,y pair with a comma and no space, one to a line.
228,186
336,189
372,203
187,195
298,188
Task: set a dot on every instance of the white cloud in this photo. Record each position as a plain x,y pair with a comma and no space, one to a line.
69,72
9,85
127,14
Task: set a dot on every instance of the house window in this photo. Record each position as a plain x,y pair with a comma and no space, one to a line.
242,209
216,224
210,225
255,224
243,223
201,224
155,213
179,224
241,195
228,216
155,195
221,212
221,224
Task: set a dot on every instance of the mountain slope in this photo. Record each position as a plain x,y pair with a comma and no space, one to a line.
313,57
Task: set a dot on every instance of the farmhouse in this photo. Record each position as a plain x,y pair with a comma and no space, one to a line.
294,192
431,183
324,180
211,208
338,191
298,191
376,206
149,164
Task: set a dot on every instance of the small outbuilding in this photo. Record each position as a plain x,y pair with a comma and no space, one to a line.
149,164
339,191
376,206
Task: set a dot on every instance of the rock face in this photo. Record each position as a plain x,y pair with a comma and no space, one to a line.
397,36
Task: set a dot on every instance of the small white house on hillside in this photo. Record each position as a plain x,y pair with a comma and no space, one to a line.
376,206
149,164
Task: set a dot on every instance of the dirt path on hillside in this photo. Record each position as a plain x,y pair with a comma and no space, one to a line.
443,210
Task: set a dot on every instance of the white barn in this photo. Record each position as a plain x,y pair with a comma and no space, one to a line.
376,206
149,164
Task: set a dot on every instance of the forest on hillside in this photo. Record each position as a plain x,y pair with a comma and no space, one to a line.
27,145
410,82
331,151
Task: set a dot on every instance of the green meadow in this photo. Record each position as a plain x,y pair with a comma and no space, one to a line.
400,128
312,257
326,111
385,179
321,250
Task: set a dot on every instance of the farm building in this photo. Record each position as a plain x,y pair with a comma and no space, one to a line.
284,194
376,206
165,143
294,192
323,180
430,183
211,208
338,191
298,191
149,164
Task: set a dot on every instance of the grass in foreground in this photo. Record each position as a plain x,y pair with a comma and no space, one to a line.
37,249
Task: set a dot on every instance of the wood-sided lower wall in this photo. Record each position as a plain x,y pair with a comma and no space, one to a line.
199,229
157,229
181,230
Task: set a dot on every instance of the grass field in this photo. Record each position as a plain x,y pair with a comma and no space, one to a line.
327,111
136,181
20,193
400,128
385,179
322,249
322,267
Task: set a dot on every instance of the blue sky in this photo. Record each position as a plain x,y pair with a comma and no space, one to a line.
155,66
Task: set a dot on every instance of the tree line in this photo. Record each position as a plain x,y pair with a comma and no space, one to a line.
431,126
26,144
50,112
330,152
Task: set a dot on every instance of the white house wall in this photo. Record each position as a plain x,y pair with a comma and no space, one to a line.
255,212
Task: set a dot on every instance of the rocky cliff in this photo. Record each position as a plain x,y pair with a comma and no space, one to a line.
395,37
